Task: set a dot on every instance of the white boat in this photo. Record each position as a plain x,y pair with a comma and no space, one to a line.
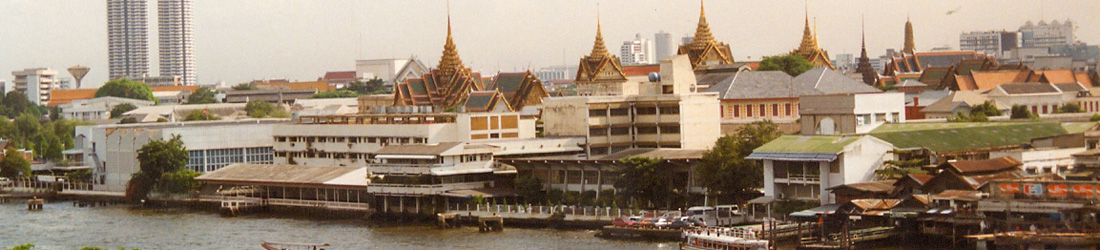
717,216
722,238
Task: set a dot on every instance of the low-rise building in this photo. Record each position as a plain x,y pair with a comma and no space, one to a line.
177,113
175,97
451,169
98,108
111,150
273,95
799,167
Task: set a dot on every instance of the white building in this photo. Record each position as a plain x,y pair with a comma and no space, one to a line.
564,72
175,35
127,38
390,70
637,51
35,83
1047,35
111,150
1039,98
96,109
1042,160
175,97
850,113
431,169
664,48
993,43
804,167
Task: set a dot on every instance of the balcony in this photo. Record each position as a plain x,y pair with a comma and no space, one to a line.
408,169
799,179
653,119
412,189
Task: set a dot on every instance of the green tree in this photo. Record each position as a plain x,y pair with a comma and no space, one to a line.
1020,112
17,102
128,120
14,165
987,108
530,188
53,148
55,113
22,247
201,115
725,172
118,110
790,63
1095,117
126,88
155,159
644,179
244,86
897,169
261,109
203,95
335,94
372,86
1070,108
179,182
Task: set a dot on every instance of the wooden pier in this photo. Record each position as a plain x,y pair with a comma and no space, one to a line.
35,204
846,241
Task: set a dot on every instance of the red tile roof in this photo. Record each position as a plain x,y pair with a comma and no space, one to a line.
641,70
339,76
980,166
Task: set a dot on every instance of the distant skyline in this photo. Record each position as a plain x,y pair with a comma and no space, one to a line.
241,40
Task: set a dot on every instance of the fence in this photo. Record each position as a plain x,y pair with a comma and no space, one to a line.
609,213
31,185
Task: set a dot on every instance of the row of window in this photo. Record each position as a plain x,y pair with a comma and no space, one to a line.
865,119
761,110
214,159
640,130
351,139
640,111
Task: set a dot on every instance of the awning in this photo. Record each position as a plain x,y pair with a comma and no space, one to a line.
762,200
817,211
777,156
483,192
404,157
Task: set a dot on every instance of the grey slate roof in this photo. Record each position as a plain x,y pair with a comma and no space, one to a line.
829,82
911,83
756,84
1070,87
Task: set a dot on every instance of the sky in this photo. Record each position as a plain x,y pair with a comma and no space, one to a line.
242,40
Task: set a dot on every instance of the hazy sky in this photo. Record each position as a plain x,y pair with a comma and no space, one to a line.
241,40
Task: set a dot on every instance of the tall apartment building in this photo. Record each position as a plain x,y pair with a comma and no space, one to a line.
564,72
127,38
664,47
175,33
1047,35
993,43
637,51
35,83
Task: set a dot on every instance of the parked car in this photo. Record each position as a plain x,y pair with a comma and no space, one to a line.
626,221
4,181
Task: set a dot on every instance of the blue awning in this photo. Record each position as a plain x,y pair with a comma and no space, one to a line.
778,156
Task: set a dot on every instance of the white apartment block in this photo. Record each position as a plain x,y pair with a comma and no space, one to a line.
637,51
798,167
663,47
175,35
1047,35
127,38
111,150
35,83
993,43
348,140
557,73
431,169
850,113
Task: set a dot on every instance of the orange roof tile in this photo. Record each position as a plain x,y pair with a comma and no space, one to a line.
1084,79
66,96
985,80
966,82
1058,75
640,70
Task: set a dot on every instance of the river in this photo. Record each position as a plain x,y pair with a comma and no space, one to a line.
61,226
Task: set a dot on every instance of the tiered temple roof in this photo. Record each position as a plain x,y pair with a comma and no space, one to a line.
704,50
809,48
600,66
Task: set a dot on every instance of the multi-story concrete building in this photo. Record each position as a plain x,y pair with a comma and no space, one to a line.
800,167
993,43
348,140
175,35
852,113
431,169
111,150
35,83
664,48
637,51
127,38
564,72
1047,35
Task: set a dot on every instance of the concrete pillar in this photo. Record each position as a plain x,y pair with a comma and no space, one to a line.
401,204
769,178
385,204
418,205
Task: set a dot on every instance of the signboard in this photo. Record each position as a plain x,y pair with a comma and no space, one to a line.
1033,188
1057,190
1083,190
1010,188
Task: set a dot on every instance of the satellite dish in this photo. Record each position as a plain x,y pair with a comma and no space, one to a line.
78,73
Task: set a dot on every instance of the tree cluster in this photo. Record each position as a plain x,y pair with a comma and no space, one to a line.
14,165
120,109
1070,108
791,64
203,95
244,86
126,88
200,115
370,87
335,94
261,109
646,182
978,113
1020,112
161,164
726,173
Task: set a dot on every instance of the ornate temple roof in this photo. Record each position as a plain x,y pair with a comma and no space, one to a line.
600,66
704,50
519,89
809,49
446,86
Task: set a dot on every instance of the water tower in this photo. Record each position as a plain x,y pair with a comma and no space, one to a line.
78,73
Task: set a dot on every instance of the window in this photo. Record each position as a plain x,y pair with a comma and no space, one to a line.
597,112
647,130
736,110
787,107
620,111
597,131
775,109
896,117
620,131
670,129
834,167
763,110
748,110
647,111
880,117
670,110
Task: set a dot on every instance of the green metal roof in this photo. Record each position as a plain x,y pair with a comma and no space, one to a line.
807,144
946,137
1077,127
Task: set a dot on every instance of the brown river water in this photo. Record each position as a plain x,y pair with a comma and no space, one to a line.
64,227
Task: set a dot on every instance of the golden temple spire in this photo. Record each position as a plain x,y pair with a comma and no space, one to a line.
450,63
909,44
809,38
599,49
702,33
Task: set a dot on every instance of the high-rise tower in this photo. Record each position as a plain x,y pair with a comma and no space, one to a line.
177,57
127,38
